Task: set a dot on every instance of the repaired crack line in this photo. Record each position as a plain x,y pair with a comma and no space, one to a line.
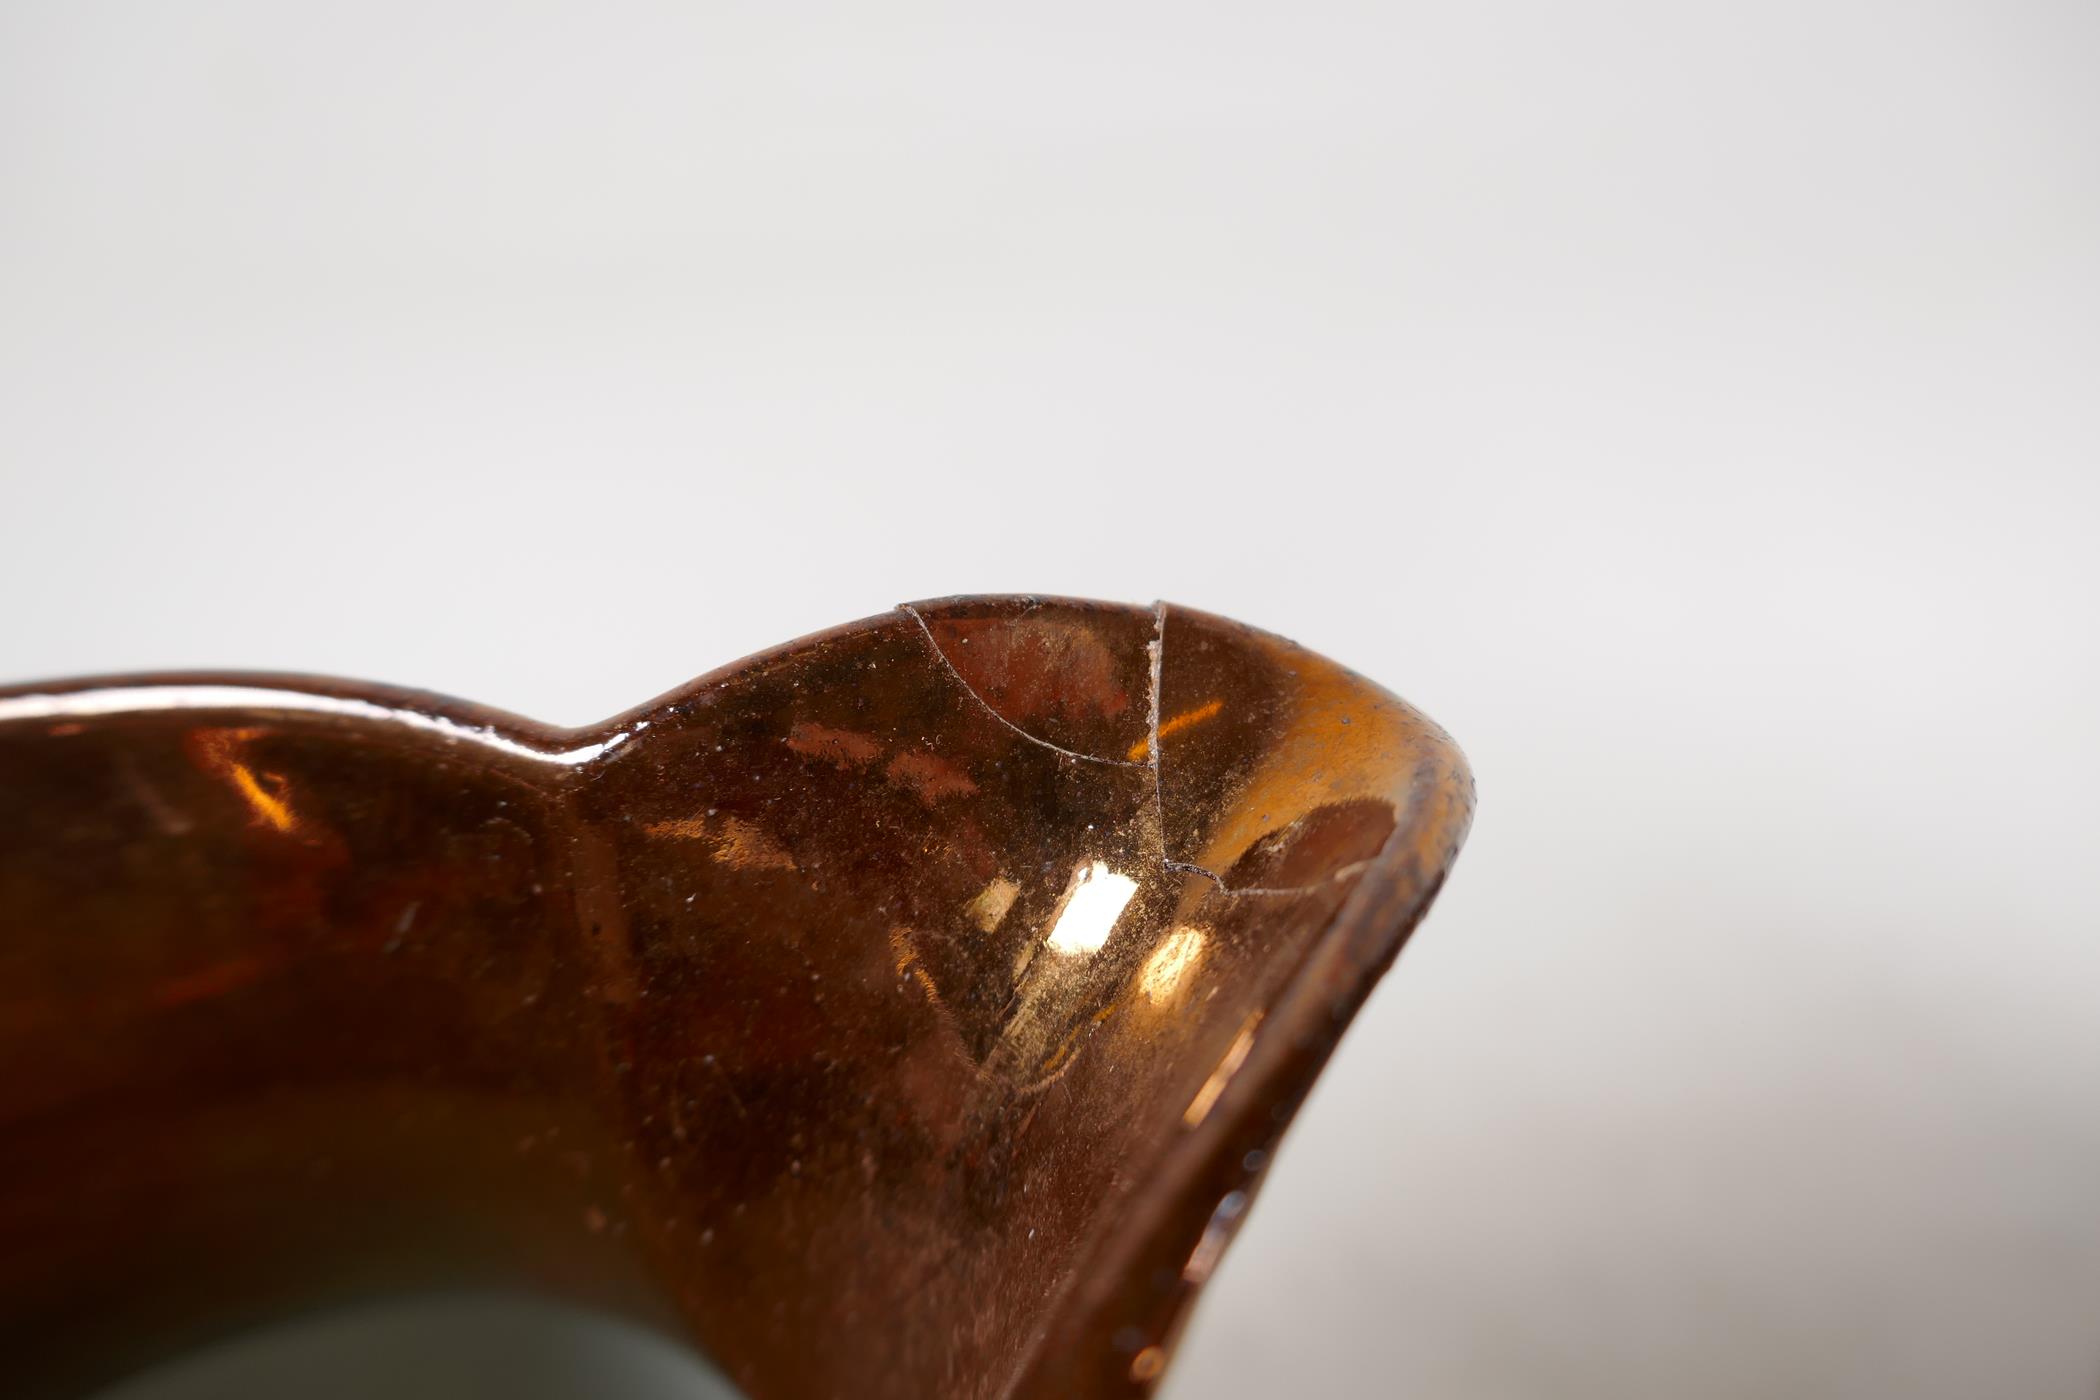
1231,891
1154,759
971,691
1157,759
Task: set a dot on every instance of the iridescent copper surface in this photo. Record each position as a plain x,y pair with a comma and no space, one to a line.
906,1012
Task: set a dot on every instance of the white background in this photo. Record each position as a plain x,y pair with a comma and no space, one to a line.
1693,406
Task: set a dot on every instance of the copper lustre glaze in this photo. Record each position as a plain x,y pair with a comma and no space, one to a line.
907,1012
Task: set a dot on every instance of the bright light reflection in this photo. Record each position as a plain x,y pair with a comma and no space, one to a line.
1097,900
1207,1097
116,700
1170,964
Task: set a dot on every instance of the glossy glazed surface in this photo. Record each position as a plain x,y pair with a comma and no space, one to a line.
907,1012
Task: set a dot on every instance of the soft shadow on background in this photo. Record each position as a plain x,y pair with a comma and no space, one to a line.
1692,406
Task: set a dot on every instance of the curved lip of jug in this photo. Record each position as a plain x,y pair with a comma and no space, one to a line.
1114,1321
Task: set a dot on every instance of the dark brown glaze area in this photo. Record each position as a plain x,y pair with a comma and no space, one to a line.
286,1007
843,865
893,1022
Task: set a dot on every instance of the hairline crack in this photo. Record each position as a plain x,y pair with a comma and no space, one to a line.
1158,759
1154,758
986,705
